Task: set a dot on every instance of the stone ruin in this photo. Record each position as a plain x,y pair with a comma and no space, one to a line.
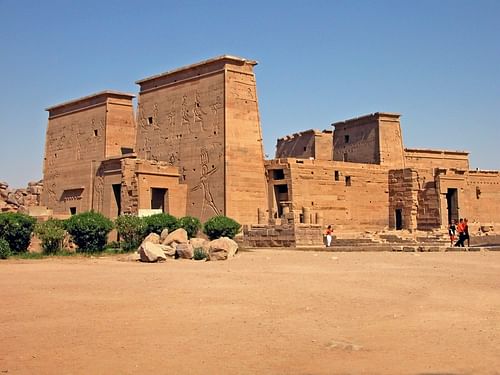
20,200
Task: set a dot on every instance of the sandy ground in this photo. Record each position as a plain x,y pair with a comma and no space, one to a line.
263,312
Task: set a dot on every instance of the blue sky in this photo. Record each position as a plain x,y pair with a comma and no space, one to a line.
435,62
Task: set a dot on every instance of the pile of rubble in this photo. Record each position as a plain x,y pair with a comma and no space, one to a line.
19,200
157,248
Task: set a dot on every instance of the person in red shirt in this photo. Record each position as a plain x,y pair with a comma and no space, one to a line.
461,233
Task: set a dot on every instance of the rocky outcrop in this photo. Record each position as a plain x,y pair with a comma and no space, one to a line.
19,200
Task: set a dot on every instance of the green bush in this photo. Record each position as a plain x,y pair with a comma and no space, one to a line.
16,229
156,223
4,249
191,224
89,230
51,233
199,254
131,230
221,226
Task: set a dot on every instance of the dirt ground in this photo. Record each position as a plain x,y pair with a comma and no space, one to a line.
263,312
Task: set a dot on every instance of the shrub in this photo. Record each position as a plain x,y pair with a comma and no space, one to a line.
4,249
16,229
51,233
89,230
156,223
131,230
191,224
199,254
221,226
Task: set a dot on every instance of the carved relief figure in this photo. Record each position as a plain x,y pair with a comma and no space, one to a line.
198,111
215,111
186,116
205,184
98,190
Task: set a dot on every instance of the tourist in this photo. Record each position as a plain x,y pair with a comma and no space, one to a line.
452,231
466,232
328,234
461,236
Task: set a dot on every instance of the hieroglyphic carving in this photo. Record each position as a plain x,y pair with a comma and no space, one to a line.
198,112
216,107
185,113
99,189
204,184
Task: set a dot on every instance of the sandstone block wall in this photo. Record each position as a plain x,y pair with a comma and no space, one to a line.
204,120
305,145
80,134
428,159
347,195
282,235
371,139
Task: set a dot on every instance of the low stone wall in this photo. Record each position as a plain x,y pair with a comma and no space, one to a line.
286,235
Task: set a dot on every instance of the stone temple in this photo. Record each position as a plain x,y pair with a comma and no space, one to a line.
194,147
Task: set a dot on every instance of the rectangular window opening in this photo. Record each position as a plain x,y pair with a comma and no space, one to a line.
346,138
347,180
150,121
278,174
72,210
337,175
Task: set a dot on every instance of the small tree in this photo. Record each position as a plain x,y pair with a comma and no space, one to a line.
51,233
131,230
4,249
89,230
16,229
157,222
221,226
191,224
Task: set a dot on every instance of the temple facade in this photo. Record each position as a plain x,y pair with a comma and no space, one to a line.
194,147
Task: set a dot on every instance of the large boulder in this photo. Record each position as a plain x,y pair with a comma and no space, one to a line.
177,236
168,250
184,251
222,248
151,252
163,235
152,238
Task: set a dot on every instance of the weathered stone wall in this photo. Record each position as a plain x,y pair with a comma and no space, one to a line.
138,177
76,143
19,200
245,182
371,139
482,199
305,145
204,119
350,196
282,235
428,159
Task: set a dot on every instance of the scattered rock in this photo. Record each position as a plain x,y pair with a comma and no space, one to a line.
199,243
152,238
151,252
184,251
163,235
169,251
179,236
222,249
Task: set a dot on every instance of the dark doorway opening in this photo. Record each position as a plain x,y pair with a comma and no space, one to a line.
72,210
117,192
452,204
158,199
399,219
281,194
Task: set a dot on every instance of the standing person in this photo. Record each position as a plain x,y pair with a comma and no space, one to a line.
466,231
460,230
329,233
452,231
